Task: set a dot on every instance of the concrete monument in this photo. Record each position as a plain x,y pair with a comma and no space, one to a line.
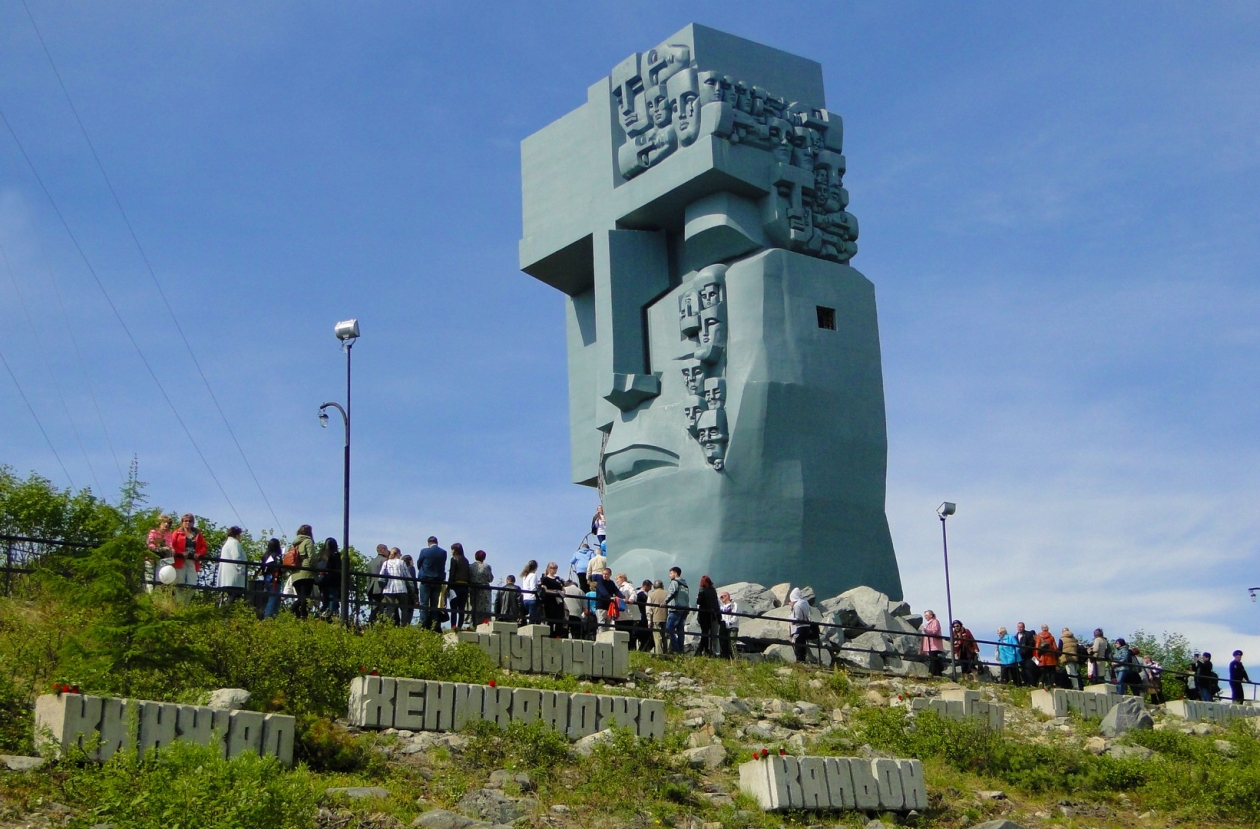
725,387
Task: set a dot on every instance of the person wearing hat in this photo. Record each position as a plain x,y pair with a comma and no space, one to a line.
1237,676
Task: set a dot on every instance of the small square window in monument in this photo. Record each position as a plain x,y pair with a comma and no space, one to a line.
827,318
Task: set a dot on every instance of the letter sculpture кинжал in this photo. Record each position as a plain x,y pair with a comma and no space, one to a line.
725,383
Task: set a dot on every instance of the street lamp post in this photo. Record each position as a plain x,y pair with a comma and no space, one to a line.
946,509
347,332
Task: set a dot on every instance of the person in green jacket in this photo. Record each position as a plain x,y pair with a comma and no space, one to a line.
303,576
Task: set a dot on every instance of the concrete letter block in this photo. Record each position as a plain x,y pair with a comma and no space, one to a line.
439,706
552,651
277,737
865,786
912,786
888,778
602,660
203,726
118,726
1050,703
839,782
966,696
67,721
526,705
554,709
522,650
651,719
505,628
613,637
372,701
490,646
409,704
622,711
534,631
813,776
955,710
583,715
754,780
497,707
245,732
158,725
785,776
468,637
578,657
470,702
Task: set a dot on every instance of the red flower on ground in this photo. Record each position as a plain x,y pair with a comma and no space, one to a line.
782,753
493,683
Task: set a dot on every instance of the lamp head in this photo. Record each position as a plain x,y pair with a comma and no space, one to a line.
323,419
347,330
947,508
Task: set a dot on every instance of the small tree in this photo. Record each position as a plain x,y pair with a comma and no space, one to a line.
1174,656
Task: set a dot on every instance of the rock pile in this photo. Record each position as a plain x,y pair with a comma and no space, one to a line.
872,631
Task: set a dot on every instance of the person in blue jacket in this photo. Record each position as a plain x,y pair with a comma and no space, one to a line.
1008,658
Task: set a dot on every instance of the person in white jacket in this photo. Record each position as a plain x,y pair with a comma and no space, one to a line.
231,576
395,574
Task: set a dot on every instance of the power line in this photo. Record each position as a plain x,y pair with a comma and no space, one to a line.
52,375
118,316
145,258
78,353
31,409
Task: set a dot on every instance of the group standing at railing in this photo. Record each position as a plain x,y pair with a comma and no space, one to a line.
438,589
1030,659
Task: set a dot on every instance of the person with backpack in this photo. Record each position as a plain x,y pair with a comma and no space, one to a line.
1206,679
804,630
1100,657
299,560
273,575
678,603
1122,661
328,577
508,604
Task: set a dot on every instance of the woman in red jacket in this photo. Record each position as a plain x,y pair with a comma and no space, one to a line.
186,541
1047,656
965,648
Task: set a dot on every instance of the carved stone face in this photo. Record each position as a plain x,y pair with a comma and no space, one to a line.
710,294
684,98
713,436
693,375
627,88
709,87
659,108
693,408
715,393
665,61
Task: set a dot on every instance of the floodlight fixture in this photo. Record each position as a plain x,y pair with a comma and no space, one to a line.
945,509
347,330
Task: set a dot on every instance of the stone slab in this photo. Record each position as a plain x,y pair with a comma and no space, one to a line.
779,783
99,727
1222,713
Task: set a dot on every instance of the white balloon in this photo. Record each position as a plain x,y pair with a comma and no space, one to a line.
168,574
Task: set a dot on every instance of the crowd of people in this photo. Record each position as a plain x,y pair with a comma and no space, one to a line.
440,590
1039,659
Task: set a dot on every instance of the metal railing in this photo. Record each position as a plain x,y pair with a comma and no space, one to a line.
369,605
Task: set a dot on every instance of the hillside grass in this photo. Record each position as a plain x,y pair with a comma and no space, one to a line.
112,641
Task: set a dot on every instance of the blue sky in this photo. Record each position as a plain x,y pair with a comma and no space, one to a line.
1058,213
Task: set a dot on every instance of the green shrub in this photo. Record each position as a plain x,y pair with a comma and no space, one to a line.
520,746
193,788
970,747
305,666
1191,776
326,746
16,722
633,777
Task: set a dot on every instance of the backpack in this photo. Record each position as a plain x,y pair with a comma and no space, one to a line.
292,558
682,597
